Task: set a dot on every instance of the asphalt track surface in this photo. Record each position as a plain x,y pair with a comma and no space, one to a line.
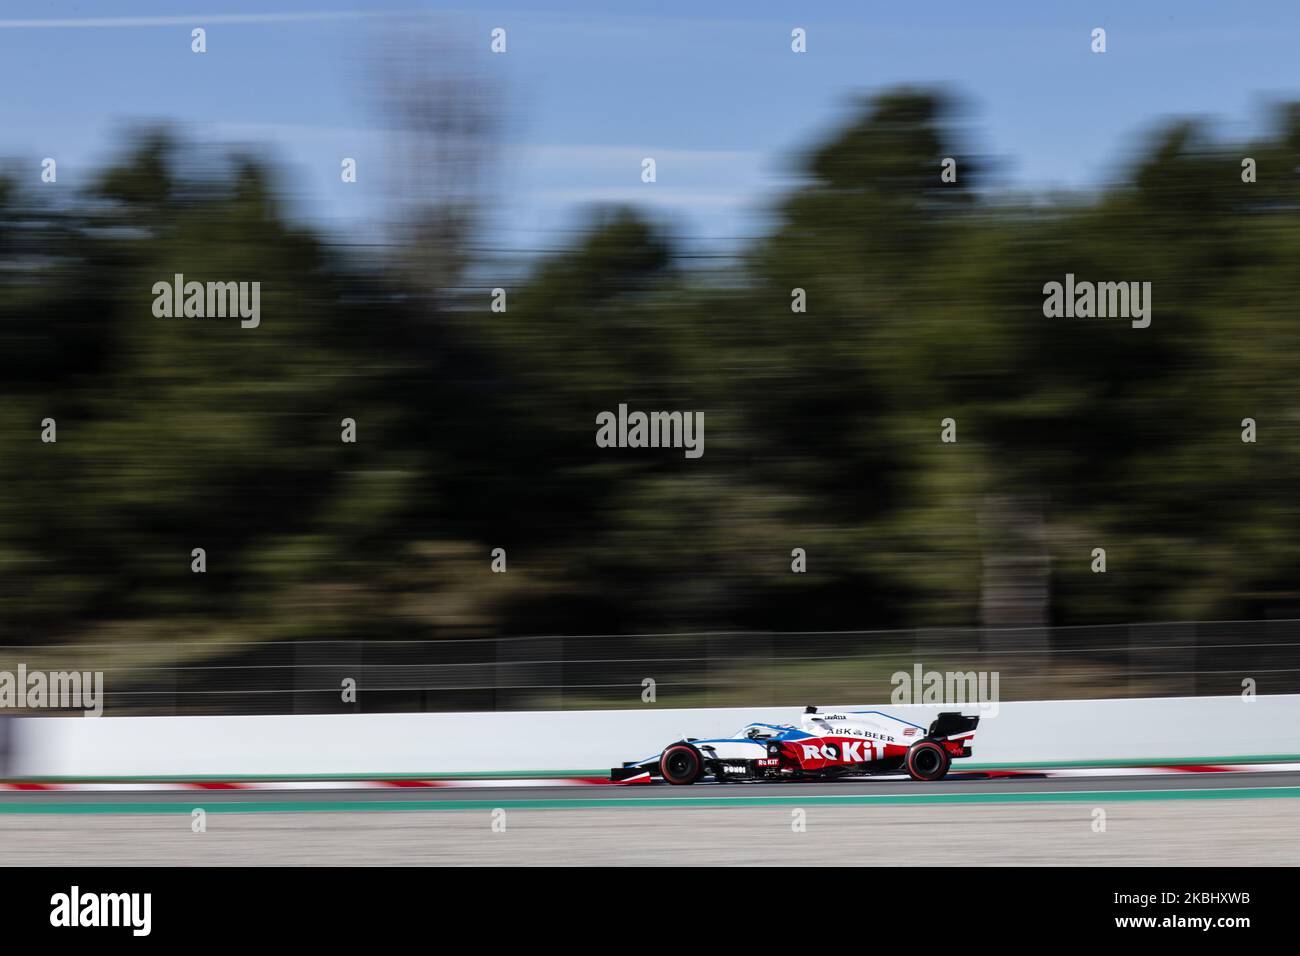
1192,819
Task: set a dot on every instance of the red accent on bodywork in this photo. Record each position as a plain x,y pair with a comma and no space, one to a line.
792,752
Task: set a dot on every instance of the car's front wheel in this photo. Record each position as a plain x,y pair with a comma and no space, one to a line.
680,764
928,760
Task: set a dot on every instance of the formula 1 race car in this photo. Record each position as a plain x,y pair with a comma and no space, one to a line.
848,743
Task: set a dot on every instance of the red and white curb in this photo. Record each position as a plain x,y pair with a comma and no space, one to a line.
145,786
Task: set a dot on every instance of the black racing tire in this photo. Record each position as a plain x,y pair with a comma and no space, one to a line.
928,760
680,764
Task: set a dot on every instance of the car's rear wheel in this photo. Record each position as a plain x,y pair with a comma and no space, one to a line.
928,760
680,764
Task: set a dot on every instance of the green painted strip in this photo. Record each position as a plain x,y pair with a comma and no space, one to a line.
299,806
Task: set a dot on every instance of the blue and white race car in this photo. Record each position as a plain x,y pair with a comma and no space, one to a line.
825,745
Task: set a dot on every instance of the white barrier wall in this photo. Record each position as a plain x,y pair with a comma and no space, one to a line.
1174,728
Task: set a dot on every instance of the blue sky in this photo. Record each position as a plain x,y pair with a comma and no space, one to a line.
711,90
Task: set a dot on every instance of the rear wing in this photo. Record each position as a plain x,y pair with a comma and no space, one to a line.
951,724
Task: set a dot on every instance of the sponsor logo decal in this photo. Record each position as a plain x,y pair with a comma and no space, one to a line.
854,751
